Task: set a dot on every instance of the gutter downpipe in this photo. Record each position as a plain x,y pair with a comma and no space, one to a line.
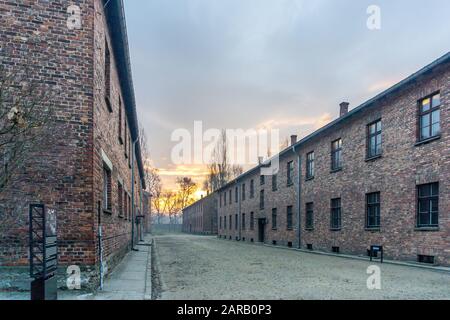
133,206
299,202
239,208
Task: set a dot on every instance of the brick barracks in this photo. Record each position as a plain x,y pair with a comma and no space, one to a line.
377,175
93,177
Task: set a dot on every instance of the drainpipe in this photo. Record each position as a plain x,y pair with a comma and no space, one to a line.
239,213
133,207
299,202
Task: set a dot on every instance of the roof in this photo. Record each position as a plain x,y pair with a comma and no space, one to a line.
115,17
366,105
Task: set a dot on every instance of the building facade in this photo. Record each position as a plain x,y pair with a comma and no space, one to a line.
93,176
378,175
201,217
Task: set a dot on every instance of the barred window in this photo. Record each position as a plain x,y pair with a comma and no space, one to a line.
107,203
309,221
336,214
274,182
274,218
243,192
373,210
336,155
428,205
252,221
310,165
290,173
243,221
252,188
289,218
261,199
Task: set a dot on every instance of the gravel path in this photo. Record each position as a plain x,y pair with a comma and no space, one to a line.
194,267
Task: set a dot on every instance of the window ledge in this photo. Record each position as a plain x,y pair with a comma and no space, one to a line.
424,229
336,170
107,211
290,184
309,229
368,159
372,229
121,216
309,179
335,229
425,141
289,229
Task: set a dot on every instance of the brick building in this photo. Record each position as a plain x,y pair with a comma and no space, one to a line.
377,175
93,176
201,216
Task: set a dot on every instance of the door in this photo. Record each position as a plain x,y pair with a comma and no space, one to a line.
261,229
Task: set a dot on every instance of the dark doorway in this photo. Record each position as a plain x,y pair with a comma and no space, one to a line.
190,228
261,229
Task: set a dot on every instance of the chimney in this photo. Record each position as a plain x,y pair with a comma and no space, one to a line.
260,160
293,139
344,108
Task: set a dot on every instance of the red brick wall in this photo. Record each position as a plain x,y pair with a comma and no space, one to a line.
396,174
201,217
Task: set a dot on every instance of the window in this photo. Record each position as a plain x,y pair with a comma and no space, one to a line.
429,117
309,221
373,210
231,222
274,182
130,208
289,217
107,205
236,221
428,205
243,192
243,221
261,199
220,200
274,218
120,198
252,189
125,204
290,173
120,121
252,221
225,199
225,222
336,214
336,155
236,194
126,138
220,223
108,76
230,200
310,165
374,141
262,179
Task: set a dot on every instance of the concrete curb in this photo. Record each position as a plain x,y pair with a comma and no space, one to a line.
148,274
156,274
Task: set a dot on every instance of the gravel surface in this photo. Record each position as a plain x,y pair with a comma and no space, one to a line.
195,267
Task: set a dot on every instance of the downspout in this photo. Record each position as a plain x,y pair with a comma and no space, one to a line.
239,213
133,206
299,202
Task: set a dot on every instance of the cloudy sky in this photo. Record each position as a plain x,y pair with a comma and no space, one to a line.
283,63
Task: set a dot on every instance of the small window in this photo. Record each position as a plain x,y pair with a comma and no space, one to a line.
336,214
289,218
374,142
310,165
309,223
336,155
261,199
108,76
243,192
230,199
309,246
220,223
252,189
225,199
373,210
243,221
125,204
425,259
231,223
290,173
274,218
429,117
225,222
428,205
262,179
274,182
107,203
236,221
335,249
289,244
236,194
252,221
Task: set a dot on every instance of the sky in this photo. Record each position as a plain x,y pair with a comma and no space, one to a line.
283,64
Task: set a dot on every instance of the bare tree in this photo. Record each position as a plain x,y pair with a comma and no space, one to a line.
220,171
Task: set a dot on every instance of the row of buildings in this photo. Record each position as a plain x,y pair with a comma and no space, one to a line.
93,176
377,175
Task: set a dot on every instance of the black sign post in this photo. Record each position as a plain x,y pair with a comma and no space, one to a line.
374,252
43,253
